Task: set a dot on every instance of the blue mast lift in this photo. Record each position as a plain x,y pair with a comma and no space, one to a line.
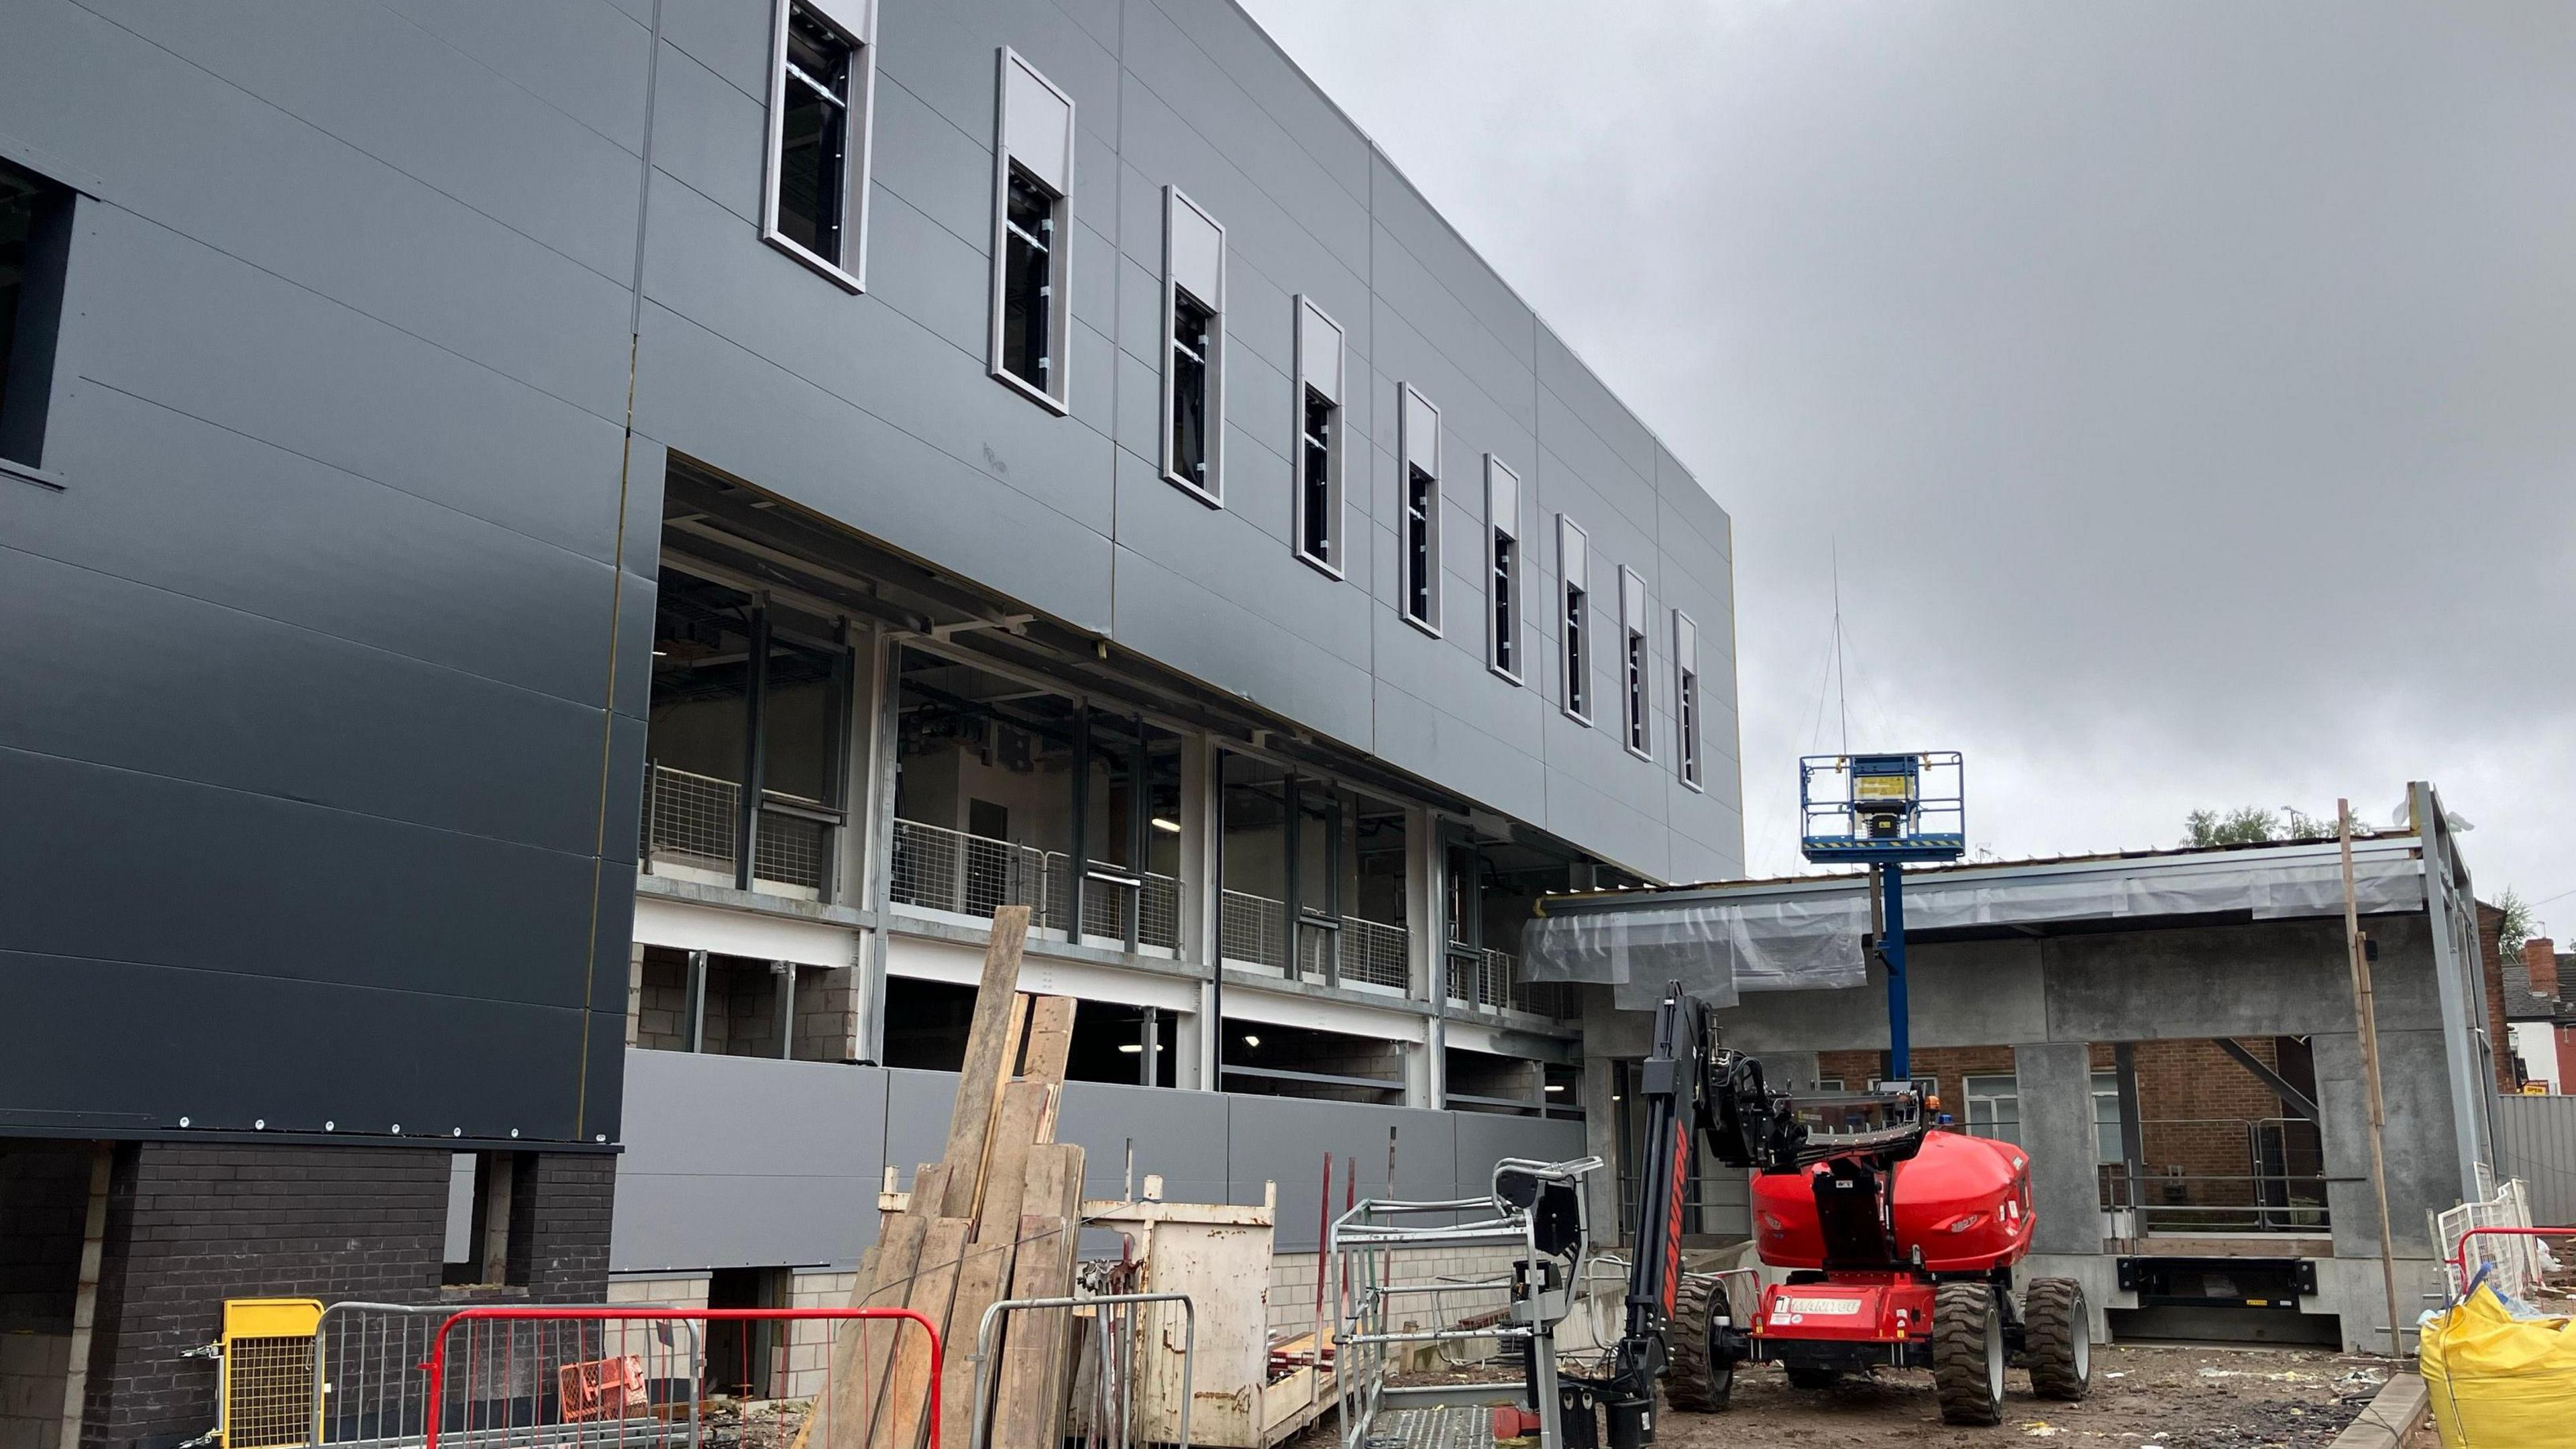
1883,811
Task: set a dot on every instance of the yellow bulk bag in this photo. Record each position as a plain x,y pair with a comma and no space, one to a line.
2498,1382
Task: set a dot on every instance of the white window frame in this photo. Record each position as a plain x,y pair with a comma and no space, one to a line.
1636,667
856,20
2106,1088
1503,525
1686,699
1186,229
1417,434
1036,138
1971,1098
1320,370
1574,603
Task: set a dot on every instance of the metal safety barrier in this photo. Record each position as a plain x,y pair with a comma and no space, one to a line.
1134,1387
629,1378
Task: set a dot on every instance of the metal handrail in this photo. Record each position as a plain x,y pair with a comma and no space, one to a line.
981,1423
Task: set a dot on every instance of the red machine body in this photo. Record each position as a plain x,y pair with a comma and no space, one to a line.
1965,1201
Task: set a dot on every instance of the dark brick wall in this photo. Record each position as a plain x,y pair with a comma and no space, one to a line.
191,1225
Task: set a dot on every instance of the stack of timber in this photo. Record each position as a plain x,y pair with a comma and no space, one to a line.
998,1216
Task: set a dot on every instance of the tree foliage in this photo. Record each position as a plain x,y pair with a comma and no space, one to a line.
2254,825
2517,922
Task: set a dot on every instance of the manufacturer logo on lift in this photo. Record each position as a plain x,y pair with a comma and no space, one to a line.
1831,1307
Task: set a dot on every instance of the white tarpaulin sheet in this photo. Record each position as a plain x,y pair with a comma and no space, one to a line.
1720,944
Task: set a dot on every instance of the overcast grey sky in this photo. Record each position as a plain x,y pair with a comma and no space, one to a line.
2189,390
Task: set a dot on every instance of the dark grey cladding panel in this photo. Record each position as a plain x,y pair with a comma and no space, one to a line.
190,329
243,886
169,685
223,517
599,1112
702,395
622,797
158,1043
571,55
314,210
746,1162
1487,1138
639,538
1273,663
1181,1135
1285,1139
918,1106
387,88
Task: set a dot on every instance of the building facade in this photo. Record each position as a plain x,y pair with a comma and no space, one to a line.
559,547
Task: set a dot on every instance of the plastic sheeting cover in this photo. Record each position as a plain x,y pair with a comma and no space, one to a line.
1810,940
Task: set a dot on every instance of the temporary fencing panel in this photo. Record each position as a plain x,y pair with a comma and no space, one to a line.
611,1378
2536,1141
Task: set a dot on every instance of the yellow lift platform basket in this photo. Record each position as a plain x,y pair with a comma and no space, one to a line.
266,1398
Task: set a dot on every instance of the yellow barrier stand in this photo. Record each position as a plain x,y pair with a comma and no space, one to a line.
2499,1382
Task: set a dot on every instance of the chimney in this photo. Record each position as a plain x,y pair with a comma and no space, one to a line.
2540,958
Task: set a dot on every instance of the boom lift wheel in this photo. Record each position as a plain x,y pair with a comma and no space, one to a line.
1701,1377
1968,1353
2057,1338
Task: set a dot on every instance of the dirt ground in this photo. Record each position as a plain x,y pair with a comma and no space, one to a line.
2176,1398
2143,1398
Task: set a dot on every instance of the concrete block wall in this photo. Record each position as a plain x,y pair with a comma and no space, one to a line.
34,1366
808,1341
190,1225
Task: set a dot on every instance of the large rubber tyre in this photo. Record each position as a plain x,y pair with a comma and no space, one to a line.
2057,1338
1968,1353
1812,1375
1698,1378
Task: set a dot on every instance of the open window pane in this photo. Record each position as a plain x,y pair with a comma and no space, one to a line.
814,134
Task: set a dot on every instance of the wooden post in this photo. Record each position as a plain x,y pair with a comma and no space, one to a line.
2368,1014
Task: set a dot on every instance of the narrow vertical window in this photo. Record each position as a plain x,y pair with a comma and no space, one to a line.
1574,577
1194,359
1632,662
1503,568
35,245
1418,444
822,72
1032,216
1319,438
1686,695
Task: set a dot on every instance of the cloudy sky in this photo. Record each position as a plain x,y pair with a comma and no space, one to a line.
2188,391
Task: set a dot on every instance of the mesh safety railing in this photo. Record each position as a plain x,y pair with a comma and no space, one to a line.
691,817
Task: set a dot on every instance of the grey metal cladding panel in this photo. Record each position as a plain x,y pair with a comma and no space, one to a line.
1091,386
1692,503
944,53
1091,269
1178,1134
918,1106
311,210
1274,665
1237,159
187,327
1241,552
554,52
1413,225
621,811
646,474
729,37
930,275
1291,225
1575,384
371,79
1270,81
255,886
222,517
707,134
1097,178
1609,817
1450,342
228,1051
1486,1138
1605,475
703,395
940,171
805,1140
126,675
1454,751
1284,1139
1139,317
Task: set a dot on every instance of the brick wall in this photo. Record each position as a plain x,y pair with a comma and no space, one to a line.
44,1198
2491,966
190,1225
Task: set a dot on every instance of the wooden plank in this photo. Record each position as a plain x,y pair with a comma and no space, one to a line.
1025,1416
1050,1042
980,1277
988,1043
862,1352
934,1286
1015,1132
